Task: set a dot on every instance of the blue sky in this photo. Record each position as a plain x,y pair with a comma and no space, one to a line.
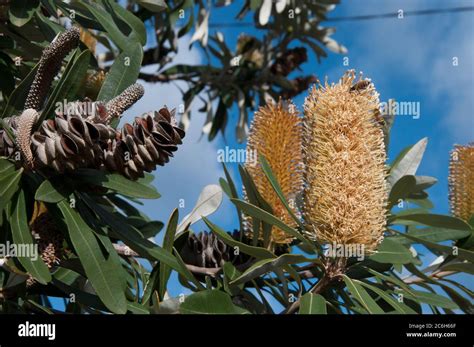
408,59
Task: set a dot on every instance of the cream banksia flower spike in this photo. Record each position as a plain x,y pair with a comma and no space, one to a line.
461,181
276,133
344,154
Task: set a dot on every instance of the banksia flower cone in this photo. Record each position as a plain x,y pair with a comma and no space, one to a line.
345,191
461,178
276,133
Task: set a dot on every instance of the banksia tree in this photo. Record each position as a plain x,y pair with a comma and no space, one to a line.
461,181
276,134
344,154
72,179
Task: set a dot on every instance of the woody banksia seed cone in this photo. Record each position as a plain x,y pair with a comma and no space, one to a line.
276,133
345,192
461,178
71,142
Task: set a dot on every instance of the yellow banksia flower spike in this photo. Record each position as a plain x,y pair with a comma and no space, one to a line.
276,133
344,156
461,178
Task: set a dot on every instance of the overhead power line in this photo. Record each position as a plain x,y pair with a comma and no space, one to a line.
412,13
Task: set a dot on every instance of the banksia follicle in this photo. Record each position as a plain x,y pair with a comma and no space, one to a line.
206,250
344,154
461,181
276,133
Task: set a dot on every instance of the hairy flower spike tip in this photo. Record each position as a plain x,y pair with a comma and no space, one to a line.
461,178
276,133
344,154
49,65
124,101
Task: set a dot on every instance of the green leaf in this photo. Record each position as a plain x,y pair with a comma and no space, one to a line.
208,202
21,235
433,220
230,274
6,167
52,191
123,73
168,242
101,269
138,31
21,11
8,186
425,182
153,5
131,237
69,83
210,302
460,267
136,308
401,189
392,252
359,293
81,296
256,252
398,306
106,20
233,193
461,253
276,187
438,234
312,304
409,162
17,98
266,265
257,212
434,299
464,304
117,183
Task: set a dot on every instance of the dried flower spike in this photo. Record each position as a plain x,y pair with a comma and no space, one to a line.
345,188
276,133
49,65
461,178
124,101
48,237
23,139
